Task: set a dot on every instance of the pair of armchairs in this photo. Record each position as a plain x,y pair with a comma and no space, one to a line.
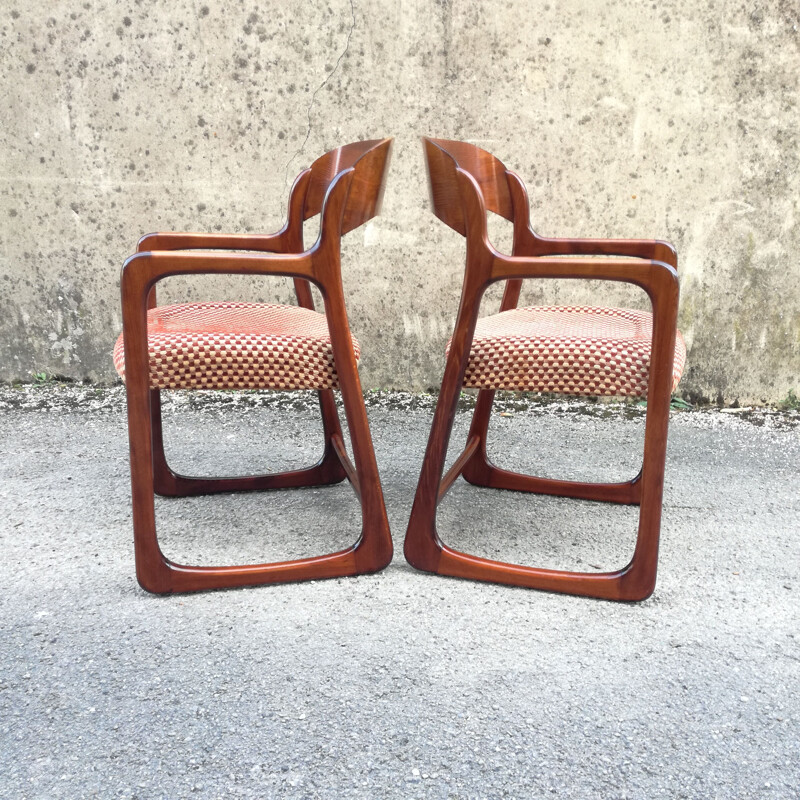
228,345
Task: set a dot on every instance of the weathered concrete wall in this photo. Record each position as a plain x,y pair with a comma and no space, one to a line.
676,119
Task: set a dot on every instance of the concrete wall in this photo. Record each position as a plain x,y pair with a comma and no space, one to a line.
674,119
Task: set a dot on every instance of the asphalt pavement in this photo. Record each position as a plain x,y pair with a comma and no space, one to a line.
400,684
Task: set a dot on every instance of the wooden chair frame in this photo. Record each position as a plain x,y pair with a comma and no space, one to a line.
346,187
466,182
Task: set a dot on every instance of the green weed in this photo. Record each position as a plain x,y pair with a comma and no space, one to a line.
791,403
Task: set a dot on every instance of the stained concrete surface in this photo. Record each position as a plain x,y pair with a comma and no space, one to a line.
675,120
401,684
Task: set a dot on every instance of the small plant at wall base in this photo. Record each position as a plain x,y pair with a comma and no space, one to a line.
48,378
676,403
791,403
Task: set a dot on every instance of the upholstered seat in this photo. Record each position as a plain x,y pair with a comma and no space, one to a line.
569,349
237,346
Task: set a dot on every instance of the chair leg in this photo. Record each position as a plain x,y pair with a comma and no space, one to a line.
480,471
640,575
152,568
327,470
424,549
373,550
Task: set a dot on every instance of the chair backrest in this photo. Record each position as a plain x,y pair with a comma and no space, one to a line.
369,159
444,157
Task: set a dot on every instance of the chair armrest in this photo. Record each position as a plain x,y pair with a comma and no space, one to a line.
653,249
652,275
272,243
143,270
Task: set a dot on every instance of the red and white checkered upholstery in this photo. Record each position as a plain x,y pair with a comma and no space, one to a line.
237,346
569,350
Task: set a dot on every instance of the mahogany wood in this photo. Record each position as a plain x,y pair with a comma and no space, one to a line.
345,186
467,182
458,467
347,465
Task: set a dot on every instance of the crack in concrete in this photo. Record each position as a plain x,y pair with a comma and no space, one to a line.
318,89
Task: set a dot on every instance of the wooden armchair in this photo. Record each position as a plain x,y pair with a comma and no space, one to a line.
255,345
583,350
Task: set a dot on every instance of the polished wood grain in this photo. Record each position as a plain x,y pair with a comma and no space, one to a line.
466,183
345,186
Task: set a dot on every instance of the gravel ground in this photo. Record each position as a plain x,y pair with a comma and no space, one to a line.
401,684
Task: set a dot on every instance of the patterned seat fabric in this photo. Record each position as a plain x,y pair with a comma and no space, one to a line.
570,350
237,346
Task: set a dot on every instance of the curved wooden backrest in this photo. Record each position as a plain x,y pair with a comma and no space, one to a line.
443,157
370,160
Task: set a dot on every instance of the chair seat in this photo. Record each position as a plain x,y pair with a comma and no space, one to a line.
570,350
237,346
